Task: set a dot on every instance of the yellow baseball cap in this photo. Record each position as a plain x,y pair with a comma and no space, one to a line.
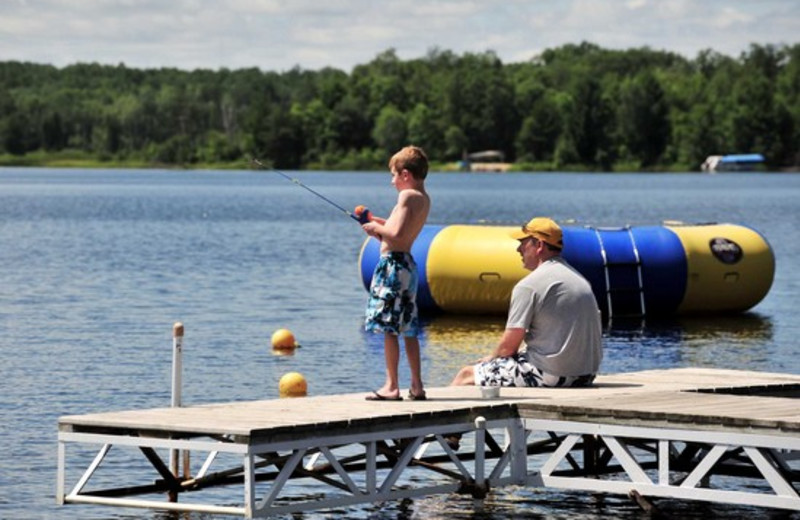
541,228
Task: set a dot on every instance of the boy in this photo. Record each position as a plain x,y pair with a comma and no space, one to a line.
392,306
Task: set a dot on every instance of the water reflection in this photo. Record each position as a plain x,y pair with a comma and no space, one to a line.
452,341
463,331
744,326
723,341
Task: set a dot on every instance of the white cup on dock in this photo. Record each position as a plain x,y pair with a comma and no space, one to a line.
490,392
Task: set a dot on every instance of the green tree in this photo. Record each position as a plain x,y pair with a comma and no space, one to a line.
481,103
788,97
754,115
538,136
456,142
15,138
424,130
53,135
349,128
277,137
643,118
390,132
587,122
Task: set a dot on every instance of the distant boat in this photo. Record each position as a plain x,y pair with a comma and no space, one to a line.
486,161
732,163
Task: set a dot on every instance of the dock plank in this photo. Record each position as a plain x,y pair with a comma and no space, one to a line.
658,396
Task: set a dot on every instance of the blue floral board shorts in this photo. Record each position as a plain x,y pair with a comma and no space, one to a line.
392,305
516,370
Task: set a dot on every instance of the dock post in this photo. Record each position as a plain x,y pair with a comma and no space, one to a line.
177,351
519,451
479,492
177,369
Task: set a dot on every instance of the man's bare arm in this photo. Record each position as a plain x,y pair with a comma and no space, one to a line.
509,344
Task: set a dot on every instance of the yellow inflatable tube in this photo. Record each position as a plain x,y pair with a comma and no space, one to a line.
634,271
473,268
729,267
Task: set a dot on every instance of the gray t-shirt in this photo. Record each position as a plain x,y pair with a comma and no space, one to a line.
556,307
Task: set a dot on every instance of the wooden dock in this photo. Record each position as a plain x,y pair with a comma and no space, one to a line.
698,434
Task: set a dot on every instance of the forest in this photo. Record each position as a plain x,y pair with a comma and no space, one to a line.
575,107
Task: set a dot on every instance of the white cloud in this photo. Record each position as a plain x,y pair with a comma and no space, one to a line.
731,16
636,4
279,34
676,10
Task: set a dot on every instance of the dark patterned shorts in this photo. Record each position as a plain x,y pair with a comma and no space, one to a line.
517,371
392,305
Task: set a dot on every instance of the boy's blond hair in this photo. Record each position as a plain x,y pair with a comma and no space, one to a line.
413,159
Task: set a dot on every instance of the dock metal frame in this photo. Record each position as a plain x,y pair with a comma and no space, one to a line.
671,462
758,469
351,469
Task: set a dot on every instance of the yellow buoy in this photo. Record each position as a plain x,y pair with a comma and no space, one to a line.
283,339
293,384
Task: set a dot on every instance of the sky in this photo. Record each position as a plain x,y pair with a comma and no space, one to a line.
278,35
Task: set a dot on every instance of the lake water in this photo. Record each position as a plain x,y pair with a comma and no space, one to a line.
96,266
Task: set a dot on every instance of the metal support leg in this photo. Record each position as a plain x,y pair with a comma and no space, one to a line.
61,476
249,485
518,451
480,458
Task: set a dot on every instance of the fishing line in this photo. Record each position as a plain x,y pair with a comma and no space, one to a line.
296,181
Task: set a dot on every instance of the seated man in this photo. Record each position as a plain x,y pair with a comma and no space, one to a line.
553,334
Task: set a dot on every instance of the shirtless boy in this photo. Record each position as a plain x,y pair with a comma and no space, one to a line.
392,306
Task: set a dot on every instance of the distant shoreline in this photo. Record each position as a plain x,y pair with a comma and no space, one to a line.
79,160
40,160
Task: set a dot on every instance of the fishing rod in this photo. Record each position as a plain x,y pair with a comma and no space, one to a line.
362,215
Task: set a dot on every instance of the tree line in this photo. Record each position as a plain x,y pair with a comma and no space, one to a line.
578,106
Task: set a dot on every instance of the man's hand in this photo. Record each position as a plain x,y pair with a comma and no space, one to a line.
486,359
